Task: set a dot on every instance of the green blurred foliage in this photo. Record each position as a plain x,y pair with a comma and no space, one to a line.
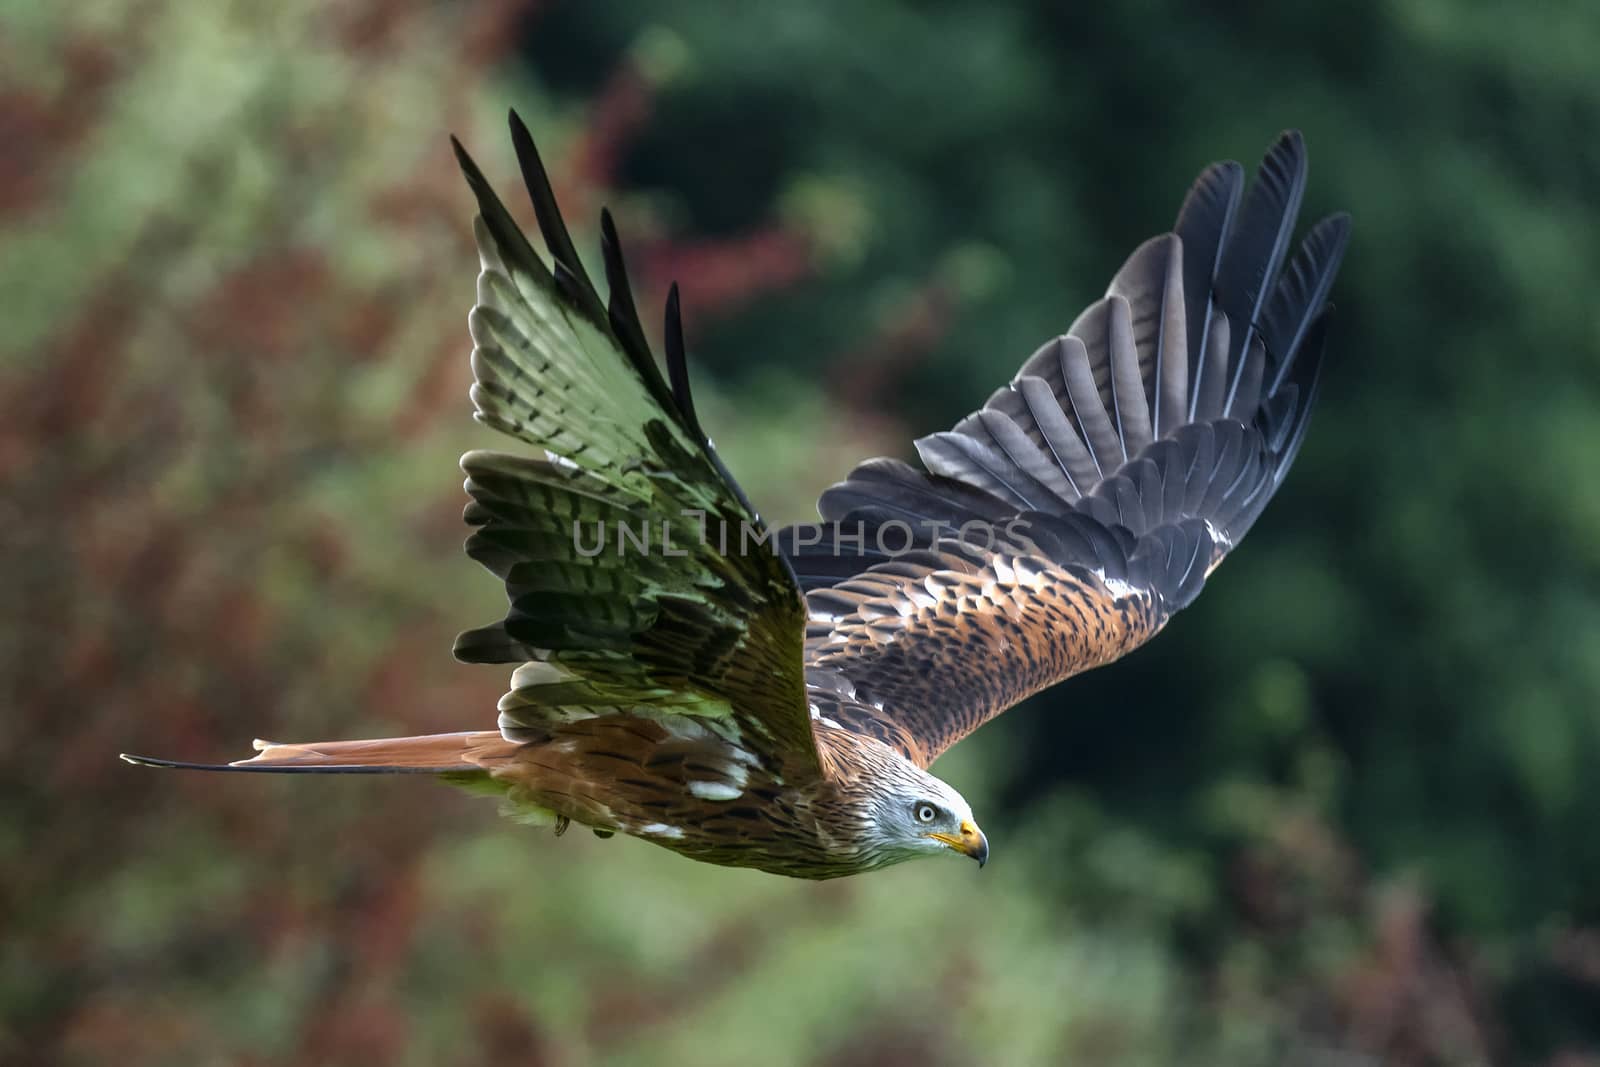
1338,813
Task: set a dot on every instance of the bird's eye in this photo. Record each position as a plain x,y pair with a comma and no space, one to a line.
927,813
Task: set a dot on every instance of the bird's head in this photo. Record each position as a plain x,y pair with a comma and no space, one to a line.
914,814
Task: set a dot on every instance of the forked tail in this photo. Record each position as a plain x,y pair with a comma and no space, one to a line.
476,750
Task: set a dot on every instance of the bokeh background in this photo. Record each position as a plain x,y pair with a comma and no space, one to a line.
1343,812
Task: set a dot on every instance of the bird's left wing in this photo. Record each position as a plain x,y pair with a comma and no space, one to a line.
611,532
1061,525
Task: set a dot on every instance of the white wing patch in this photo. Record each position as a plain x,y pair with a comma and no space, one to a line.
716,790
816,714
1119,589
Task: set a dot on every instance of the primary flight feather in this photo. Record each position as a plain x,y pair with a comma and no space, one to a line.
773,699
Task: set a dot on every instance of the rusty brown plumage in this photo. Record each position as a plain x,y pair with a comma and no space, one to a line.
935,653
685,676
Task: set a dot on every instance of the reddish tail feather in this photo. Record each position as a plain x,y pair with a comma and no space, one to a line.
474,750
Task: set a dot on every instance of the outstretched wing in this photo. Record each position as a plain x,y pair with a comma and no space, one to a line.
1061,525
620,601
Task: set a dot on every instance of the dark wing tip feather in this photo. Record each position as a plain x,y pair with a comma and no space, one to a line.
620,307
556,237
625,326
678,363
510,244
683,404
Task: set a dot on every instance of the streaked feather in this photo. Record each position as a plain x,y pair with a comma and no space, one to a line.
1204,222
1028,457
1301,293
1088,410
986,466
1211,375
1059,435
1257,246
1248,379
1131,405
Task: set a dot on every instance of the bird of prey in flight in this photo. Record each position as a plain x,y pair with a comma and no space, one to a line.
774,699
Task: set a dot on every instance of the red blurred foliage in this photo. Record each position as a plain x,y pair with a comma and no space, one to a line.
718,277
71,386
41,130
616,114
508,1034
269,293
1406,999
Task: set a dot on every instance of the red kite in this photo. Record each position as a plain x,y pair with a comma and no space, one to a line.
774,699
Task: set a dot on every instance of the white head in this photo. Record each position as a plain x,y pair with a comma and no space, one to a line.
911,813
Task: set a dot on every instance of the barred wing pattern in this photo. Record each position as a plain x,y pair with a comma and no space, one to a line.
1109,478
685,630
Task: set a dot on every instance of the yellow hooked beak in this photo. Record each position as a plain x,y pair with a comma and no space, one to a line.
970,842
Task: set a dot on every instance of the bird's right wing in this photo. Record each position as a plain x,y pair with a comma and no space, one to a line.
1061,525
611,534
